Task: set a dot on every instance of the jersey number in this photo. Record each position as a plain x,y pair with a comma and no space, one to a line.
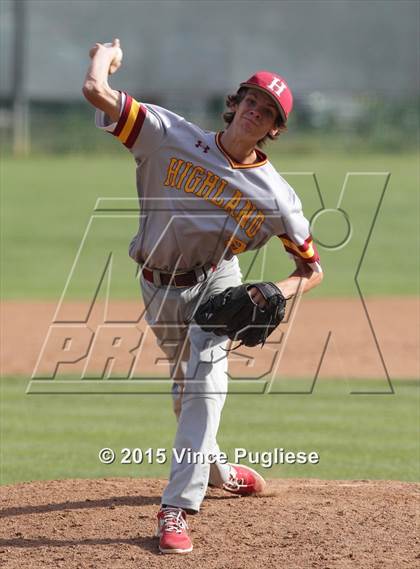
235,245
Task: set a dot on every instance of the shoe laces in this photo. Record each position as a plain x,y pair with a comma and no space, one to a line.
234,483
173,520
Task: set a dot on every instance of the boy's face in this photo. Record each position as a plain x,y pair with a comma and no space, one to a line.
256,115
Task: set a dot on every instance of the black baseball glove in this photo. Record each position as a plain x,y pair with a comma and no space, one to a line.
233,313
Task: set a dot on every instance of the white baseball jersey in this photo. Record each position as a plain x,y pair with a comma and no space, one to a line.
197,205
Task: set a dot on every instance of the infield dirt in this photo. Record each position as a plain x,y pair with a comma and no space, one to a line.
297,524
388,323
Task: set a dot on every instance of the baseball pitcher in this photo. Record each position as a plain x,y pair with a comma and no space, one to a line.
205,197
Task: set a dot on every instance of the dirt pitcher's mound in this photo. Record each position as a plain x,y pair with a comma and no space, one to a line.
110,523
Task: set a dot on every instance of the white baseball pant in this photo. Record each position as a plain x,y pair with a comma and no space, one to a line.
199,373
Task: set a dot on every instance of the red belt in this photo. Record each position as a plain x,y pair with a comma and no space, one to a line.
180,279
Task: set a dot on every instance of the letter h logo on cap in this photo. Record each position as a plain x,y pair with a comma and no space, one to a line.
276,87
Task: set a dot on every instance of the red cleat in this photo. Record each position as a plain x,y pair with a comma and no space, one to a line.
244,481
172,531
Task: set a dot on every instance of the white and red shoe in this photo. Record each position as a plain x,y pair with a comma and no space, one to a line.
244,481
173,531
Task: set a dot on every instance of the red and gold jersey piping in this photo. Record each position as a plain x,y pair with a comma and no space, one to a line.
130,122
306,252
262,158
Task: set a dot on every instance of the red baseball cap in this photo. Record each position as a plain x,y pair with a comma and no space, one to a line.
276,87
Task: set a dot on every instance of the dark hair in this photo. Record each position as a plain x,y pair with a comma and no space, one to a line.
232,100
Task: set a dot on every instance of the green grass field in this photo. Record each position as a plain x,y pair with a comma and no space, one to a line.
47,203
356,436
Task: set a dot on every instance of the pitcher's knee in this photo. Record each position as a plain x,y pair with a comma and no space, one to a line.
206,403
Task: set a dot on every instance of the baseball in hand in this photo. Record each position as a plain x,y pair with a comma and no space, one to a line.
116,62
